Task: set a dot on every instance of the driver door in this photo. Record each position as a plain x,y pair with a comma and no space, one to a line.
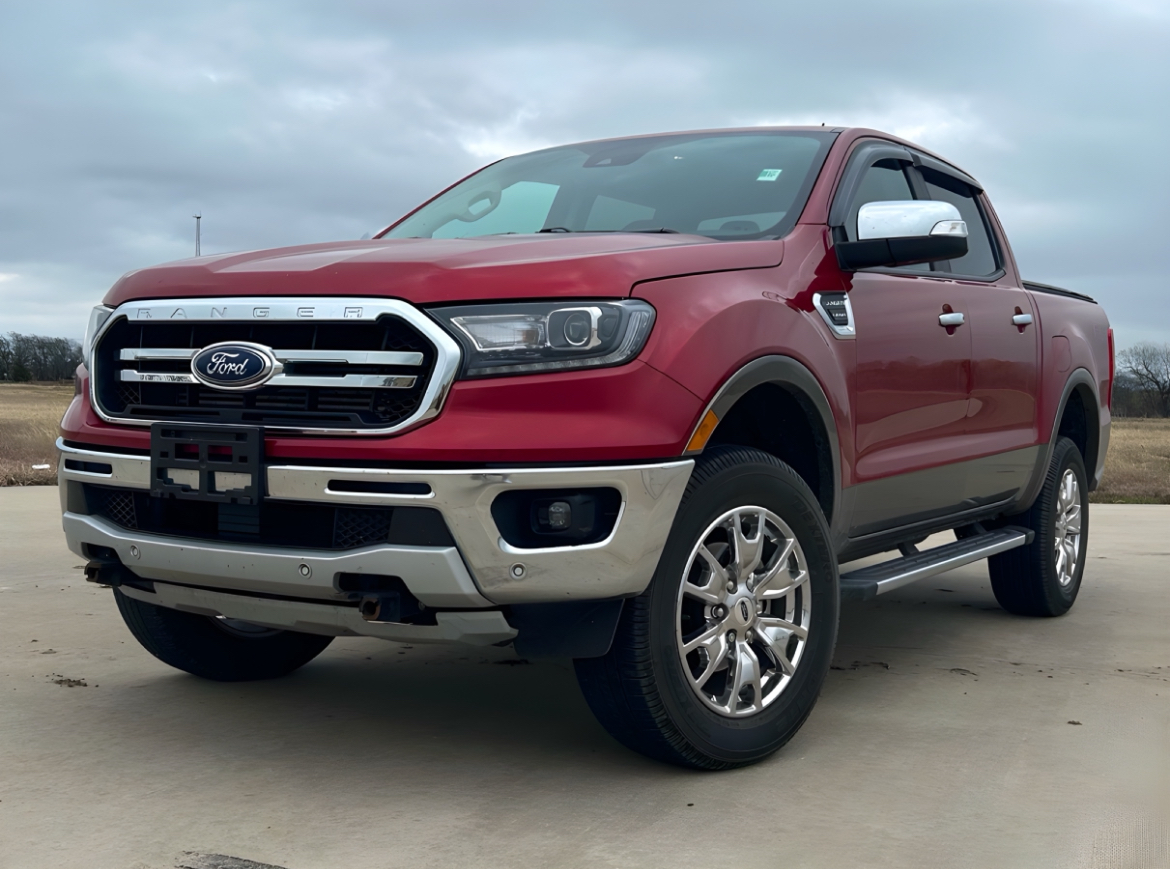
911,382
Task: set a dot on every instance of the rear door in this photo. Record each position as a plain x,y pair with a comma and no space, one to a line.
912,374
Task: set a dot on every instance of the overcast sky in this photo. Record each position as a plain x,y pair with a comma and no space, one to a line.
294,122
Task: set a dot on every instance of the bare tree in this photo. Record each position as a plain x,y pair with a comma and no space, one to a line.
1147,367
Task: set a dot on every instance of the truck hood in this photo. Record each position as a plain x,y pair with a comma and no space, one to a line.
450,270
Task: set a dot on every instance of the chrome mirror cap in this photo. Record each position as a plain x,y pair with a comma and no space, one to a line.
909,219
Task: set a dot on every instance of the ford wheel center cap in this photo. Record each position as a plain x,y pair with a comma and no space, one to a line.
235,365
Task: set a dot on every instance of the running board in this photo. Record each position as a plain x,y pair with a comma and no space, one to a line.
868,582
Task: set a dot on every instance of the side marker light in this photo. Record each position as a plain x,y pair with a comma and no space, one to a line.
703,432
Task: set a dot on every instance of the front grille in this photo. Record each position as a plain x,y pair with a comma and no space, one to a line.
360,374
271,523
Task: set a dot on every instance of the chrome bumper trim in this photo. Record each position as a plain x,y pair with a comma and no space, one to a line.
622,564
481,628
436,576
126,472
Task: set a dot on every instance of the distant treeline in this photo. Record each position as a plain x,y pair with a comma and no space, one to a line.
35,357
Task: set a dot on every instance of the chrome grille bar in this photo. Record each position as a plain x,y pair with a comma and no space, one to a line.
364,381
347,357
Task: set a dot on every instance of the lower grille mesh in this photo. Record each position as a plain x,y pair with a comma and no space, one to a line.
272,523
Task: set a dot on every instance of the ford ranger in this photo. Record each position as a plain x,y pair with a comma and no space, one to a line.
642,403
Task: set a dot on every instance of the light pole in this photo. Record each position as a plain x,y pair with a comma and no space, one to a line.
197,217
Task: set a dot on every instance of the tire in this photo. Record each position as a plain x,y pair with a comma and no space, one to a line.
225,651
1043,578
683,708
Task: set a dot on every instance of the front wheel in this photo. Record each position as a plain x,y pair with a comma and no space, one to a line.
224,650
1043,578
719,662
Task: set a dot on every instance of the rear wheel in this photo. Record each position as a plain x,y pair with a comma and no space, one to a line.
1044,577
225,650
718,663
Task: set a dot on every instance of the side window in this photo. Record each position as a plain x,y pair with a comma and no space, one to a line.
980,259
884,181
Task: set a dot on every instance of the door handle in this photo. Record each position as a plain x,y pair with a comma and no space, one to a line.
1022,320
951,318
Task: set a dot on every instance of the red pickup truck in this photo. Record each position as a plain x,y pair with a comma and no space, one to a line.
635,402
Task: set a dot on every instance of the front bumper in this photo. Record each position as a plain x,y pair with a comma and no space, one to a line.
480,571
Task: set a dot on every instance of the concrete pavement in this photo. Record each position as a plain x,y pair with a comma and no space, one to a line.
943,739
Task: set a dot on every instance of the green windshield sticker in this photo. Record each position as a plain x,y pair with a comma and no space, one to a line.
769,174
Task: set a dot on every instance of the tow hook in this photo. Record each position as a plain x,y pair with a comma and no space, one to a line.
104,572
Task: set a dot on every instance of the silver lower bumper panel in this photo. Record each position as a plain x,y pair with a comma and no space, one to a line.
482,628
436,576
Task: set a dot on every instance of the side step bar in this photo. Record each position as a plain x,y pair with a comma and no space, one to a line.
868,582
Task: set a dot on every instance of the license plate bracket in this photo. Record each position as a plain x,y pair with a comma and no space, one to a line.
221,464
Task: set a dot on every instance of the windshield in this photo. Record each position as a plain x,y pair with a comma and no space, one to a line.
722,185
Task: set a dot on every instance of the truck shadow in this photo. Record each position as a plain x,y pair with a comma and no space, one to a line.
366,705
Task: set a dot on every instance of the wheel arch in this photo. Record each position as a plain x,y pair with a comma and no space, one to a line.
1078,418
780,389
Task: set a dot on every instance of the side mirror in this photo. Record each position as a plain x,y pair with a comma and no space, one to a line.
904,233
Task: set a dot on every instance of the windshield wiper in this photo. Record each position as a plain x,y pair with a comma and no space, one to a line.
566,229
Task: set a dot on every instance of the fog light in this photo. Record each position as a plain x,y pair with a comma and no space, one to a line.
560,515
532,518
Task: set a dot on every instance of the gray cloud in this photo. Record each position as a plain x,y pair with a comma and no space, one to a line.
293,122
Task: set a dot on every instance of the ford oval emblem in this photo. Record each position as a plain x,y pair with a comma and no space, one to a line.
234,365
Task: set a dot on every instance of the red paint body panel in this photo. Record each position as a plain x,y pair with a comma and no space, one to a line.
630,412
1086,329
427,271
722,322
1005,370
912,380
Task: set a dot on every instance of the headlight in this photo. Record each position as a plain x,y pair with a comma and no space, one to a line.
528,337
97,319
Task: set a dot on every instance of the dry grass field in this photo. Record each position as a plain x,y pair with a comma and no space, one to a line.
29,413
1137,470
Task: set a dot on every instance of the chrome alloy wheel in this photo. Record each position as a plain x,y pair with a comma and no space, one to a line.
743,611
1067,540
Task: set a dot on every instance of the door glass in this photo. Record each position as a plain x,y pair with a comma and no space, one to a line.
980,259
884,181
